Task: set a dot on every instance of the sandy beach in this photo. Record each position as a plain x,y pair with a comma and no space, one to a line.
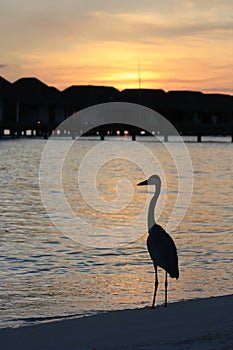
193,324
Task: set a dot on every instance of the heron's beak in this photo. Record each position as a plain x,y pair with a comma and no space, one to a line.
143,183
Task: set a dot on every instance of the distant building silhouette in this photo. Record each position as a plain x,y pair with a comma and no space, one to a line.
29,104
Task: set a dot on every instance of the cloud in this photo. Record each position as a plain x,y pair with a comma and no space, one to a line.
9,66
128,27
98,41
85,21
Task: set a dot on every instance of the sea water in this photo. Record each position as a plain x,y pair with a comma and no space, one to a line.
46,275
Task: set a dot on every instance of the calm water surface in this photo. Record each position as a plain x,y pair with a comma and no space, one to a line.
44,274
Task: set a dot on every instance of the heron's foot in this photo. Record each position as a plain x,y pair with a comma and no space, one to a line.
152,307
165,305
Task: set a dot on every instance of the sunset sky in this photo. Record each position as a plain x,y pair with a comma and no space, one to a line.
180,44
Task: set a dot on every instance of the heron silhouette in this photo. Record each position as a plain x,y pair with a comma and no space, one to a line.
160,245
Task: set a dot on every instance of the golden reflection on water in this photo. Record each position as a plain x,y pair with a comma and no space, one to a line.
107,179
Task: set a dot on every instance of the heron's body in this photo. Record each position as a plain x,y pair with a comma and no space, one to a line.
162,250
160,245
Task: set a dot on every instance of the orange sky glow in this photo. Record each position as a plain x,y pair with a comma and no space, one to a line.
180,44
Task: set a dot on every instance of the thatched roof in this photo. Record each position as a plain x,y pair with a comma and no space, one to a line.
32,90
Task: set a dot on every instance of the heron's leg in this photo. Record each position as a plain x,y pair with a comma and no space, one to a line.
156,287
166,285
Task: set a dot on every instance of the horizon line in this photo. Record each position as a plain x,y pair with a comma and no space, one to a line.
203,91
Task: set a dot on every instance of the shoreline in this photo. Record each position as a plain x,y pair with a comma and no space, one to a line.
198,323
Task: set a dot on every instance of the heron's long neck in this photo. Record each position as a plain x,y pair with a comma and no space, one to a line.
151,212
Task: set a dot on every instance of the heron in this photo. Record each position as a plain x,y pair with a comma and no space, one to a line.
161,246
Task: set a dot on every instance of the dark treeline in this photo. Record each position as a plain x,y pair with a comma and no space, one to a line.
29,104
